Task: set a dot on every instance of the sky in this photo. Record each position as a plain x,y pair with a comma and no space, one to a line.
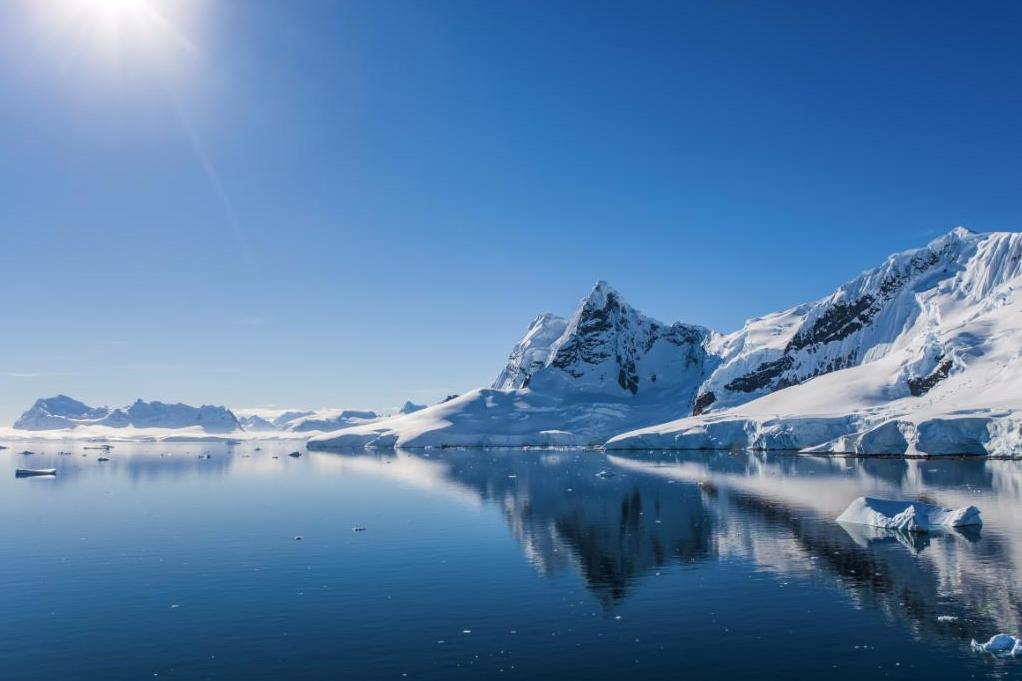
347,203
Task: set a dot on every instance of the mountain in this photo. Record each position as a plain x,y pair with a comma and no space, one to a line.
331,419
410,407
63,412
254,423
858,323
301,420
918,356
567,382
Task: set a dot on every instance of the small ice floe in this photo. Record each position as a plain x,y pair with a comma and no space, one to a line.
907,516
605,474
102,458
1001,645
34,472
295,454
946,618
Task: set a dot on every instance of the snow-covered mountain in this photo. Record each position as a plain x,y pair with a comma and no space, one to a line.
331,419
574,381
919,356
410,407
63,412
858,323
302,420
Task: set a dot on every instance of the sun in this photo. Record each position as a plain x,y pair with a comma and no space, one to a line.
128,32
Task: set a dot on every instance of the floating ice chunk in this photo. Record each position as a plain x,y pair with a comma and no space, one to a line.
907,516
32,472
1000,645
605,474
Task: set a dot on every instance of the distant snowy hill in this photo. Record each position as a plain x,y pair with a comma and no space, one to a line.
917,356
63,412
302,420
410,408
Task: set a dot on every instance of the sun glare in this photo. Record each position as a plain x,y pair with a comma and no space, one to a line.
129,32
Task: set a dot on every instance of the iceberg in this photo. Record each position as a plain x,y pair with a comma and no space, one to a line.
907,516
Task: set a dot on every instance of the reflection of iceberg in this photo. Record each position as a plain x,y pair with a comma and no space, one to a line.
1001,645
907,516
864,535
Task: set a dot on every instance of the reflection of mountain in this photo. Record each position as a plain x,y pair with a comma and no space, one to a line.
612,530
773,511
777,512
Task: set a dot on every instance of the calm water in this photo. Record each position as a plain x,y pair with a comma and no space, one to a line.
480,564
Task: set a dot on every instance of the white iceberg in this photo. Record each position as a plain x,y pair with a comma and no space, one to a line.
1000,645
907,516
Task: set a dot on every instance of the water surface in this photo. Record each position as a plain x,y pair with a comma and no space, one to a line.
477,564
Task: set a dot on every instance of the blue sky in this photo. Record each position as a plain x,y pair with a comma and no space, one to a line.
357,203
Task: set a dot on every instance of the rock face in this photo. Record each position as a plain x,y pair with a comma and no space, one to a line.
608,348
62,412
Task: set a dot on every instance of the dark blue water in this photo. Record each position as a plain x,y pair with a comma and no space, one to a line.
486,564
